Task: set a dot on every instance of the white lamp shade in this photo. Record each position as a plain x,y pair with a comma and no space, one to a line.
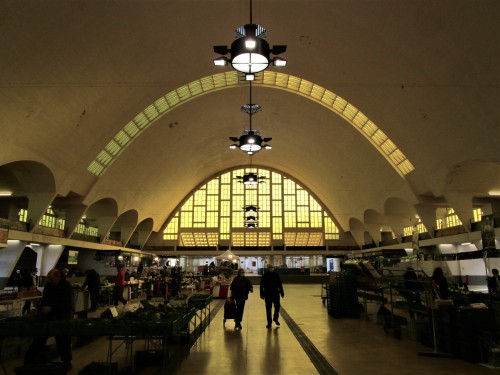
250,63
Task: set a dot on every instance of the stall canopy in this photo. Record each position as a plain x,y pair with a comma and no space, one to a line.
228,254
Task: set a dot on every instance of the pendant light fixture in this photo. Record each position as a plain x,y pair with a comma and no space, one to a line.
251,219
251,179
250,141
250,52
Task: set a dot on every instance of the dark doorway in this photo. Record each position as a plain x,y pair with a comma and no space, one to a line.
26,261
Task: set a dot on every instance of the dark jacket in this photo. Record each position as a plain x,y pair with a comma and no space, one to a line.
240,287
92,281
27,280
60,298
270,285
442,286
493,284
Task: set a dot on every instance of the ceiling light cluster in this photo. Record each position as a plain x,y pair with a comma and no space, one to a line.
251,218
250,54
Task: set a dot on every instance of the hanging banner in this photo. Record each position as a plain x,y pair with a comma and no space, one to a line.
488,231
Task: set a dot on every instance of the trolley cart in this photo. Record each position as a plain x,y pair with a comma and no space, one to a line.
229,309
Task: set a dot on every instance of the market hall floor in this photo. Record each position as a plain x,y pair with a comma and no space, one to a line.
308,341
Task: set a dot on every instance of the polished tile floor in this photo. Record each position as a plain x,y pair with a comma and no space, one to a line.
308,341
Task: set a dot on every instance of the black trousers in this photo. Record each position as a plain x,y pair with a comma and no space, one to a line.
94,299
63,345
26,307
270,301
118,295
240,308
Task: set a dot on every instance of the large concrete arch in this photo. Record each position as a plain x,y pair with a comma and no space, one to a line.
341,107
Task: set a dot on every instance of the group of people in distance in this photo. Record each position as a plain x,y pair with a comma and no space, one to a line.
271,291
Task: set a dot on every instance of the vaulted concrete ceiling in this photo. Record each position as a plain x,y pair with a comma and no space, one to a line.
426,73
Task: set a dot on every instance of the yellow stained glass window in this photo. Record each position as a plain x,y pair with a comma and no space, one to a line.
225,208
225,192
220,205
290,219
277,195
277,208
316,219
200,196
213,203
225,226
289,201
172,229
331,230
277,225
302,198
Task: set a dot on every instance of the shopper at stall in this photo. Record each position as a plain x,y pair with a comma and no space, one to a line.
439,283
64,273
140,268
240,287
57,304
93,283
119,284
270,291
494,282
29,282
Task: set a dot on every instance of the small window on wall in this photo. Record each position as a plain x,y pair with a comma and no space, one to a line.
452,219
421,227
23,215
477,214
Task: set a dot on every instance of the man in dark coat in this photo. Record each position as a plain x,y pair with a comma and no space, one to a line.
270,291
93,283
57,304
494,282
240,287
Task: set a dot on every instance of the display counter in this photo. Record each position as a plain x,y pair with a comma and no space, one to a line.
13,307
133,289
